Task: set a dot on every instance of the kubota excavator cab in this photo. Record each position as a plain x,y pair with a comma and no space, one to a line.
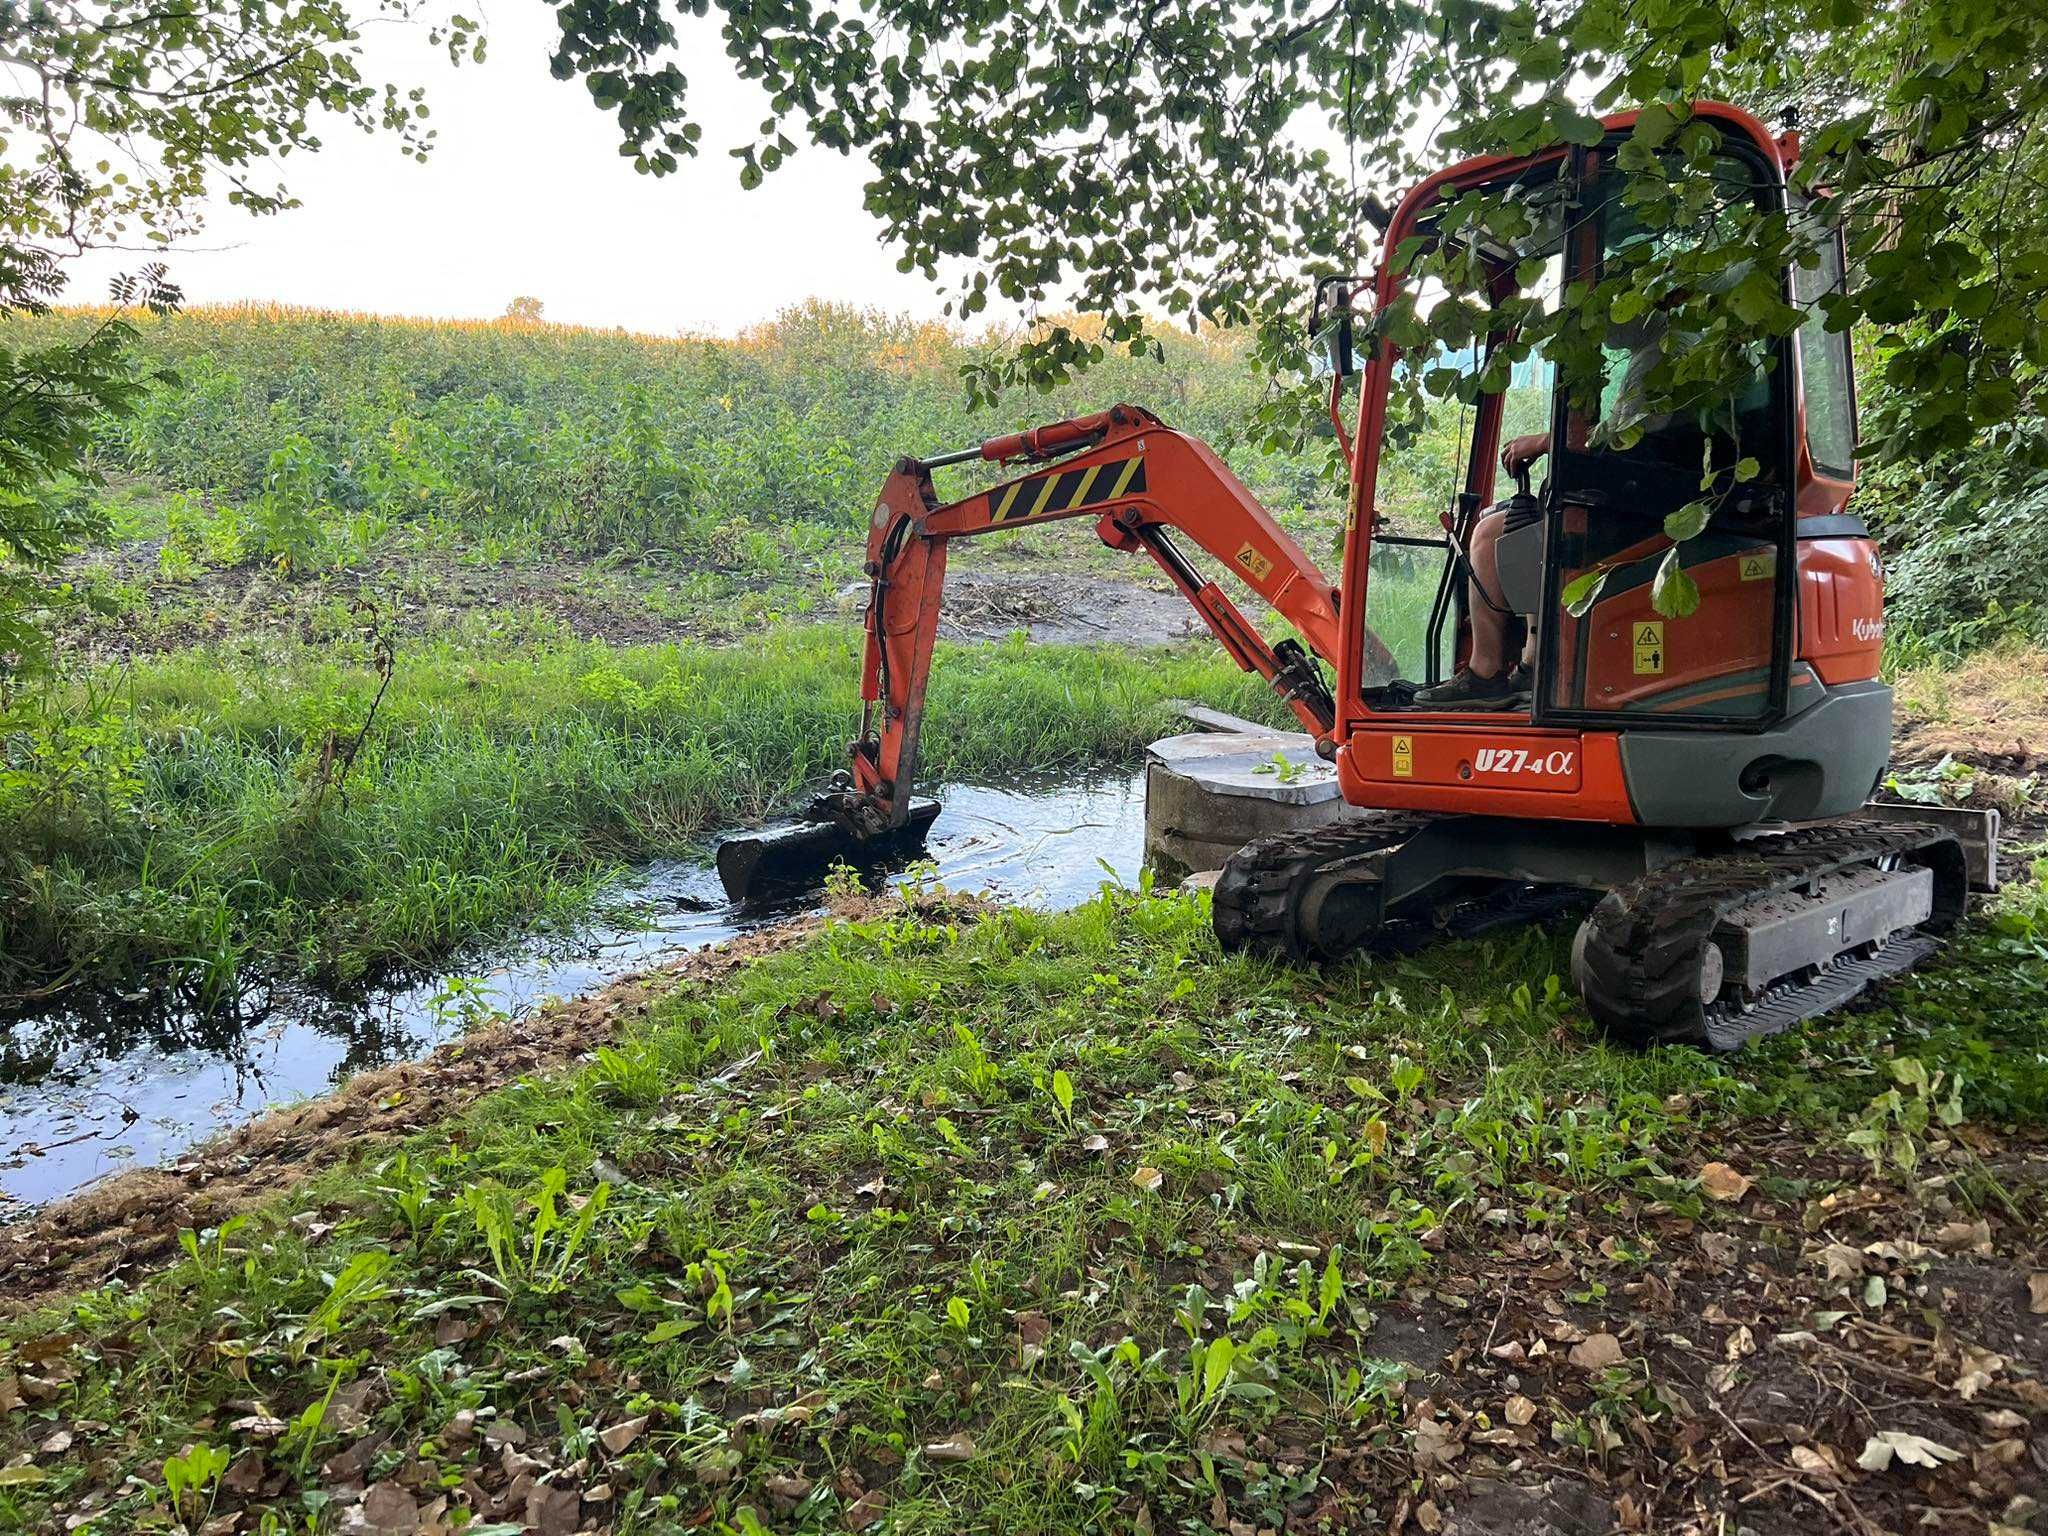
1762,704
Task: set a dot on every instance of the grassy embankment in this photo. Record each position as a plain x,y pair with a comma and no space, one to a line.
626,485
479,497
211,818
1066,1223
708,486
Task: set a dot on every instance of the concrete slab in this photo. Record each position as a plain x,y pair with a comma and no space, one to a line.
1220,720
1270,765
1207,794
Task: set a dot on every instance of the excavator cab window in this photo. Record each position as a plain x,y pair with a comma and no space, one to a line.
1612,489
1826,376
1437,488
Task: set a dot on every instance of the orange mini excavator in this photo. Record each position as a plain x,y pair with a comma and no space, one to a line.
1701,777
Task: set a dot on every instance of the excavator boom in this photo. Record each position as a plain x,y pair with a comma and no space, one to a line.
1143,483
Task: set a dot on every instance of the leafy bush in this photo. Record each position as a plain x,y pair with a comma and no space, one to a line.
1971,547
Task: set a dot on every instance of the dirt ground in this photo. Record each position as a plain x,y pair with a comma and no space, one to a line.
1064,589
1728,1362
1978,736
1992,712
1071,610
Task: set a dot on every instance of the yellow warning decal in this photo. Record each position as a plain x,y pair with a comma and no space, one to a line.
1067,490
1649,638
1253,564
1759,565
1404,757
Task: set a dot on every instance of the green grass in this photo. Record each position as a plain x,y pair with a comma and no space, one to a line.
702,480
207,820
1017,1226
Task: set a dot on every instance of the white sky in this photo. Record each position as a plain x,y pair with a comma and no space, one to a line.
525,193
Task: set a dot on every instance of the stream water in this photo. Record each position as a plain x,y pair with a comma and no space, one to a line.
94,1091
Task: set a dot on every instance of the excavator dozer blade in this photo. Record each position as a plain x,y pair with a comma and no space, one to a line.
782,861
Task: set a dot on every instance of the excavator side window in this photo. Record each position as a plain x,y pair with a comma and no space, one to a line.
1721,663
1825,370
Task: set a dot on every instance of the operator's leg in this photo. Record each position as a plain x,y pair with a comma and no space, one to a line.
1485,681
1483,598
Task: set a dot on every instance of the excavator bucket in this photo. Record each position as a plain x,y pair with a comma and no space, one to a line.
780,862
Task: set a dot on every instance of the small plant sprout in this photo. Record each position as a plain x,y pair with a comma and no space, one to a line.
462,1002
190,1478
358,1285
958,1313
843,885
1406,1077
1282,767
1063,1097
1193,1309
208,1250
1892,1129
541,1257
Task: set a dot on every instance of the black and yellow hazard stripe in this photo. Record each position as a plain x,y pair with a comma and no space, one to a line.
1067,490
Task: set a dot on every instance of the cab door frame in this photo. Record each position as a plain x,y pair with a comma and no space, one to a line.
1764,163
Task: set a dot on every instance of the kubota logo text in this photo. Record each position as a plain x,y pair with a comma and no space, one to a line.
1551,765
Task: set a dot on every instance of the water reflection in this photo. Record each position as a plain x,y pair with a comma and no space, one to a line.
90,1089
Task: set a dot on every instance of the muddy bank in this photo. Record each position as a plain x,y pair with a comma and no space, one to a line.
127,1223
112,1083
1055,598
1061,609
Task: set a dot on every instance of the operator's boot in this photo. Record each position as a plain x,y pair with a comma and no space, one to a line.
1470,690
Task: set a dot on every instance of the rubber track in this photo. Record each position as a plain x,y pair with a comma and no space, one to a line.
1253,904
1644,942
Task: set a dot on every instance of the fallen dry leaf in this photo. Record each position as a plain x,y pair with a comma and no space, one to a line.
1148,1178
1980,1368
1817,1463
952,1448
866,1510
1723,1183
1597,1352
1720,1249
2002,1453
389,1510
553,1510
1973,1235
2037,1291
245,1475
1435,1446
1519,1411
1910,1449
622,1434
1841,1261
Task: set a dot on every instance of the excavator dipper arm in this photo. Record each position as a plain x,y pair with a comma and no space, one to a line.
1142,482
